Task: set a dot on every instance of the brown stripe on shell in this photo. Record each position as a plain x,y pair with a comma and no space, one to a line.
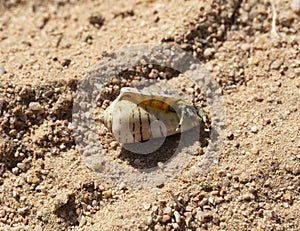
133,126
149,122
140,124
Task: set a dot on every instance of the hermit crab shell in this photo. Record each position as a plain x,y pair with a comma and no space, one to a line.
137,116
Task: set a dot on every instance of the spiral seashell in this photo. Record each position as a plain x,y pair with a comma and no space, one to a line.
137,116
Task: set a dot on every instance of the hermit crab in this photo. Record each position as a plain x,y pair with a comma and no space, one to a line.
138,116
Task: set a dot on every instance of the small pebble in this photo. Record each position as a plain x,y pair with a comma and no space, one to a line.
22,211
35,106
147,206
255,150
96,20
2,213
36,67
188,208
211,200
276,64
175,226
158,227
15,170
38,228
165,218
207,216
200,151
61,199
12,132
2,101
254,129
113,145
153,74
177,217
168,211
149,220
2,70
247,197
160,165
107,194
230,136
295,6
245,46
208,52
21,166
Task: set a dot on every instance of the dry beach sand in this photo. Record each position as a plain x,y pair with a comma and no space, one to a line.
251,49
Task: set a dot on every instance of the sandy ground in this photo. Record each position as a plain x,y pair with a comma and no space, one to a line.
46,47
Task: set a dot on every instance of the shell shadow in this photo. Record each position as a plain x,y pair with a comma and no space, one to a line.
167,150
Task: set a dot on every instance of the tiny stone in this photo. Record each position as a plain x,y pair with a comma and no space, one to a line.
295,6
22,211
296,171
66,62
114,145
276,64
61,199
245,46
247,197
38,228
153,74
15,170
96,20
35,106
211,200
158,227
160,165
32,179
12,132
230,136
2,70
107,194
154,208
147,206
190,90
187,214
19,65
200,151
168,211
244,177
149,220
216,218
62,146
207,216
207,207
255,150
208,52
21,166
165,218
2,213
177,217
188,208
122,185
175,226
254,129
36,67
2,101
